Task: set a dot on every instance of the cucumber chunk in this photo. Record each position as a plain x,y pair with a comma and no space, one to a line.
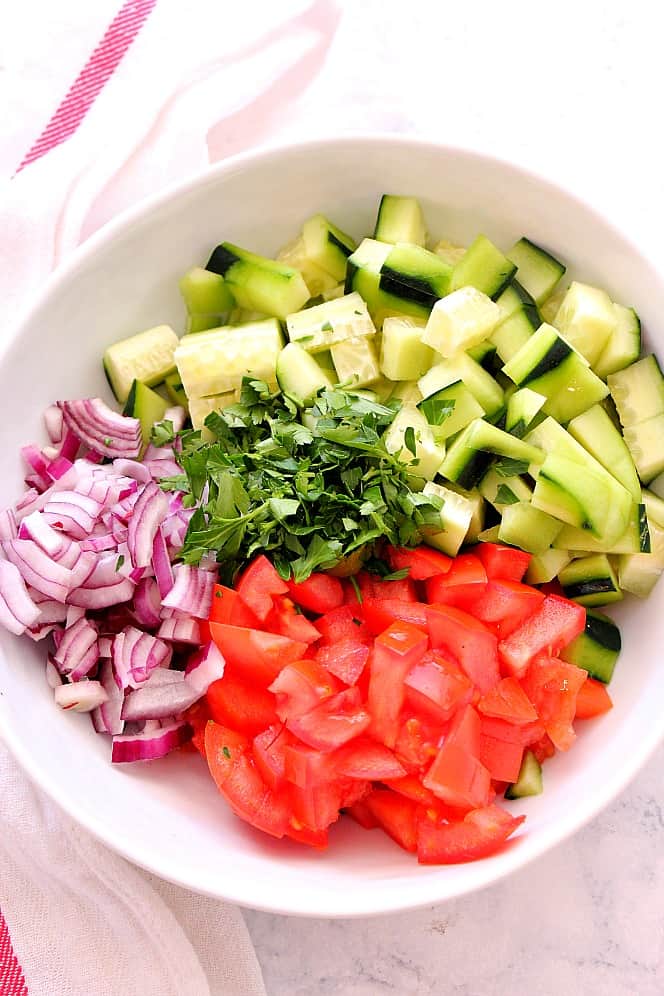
203,323
299,376
318,328
500,491
456,516
462,367
597,434
537,270
525,526
259,283
635,539
318,280
356,361
400,219
175,390
205,293
638,573
415,274
638,391
644,441
474,450
460,320
515,331
147,406
449,251
589,501
623,345
483,266
425,462
484,354
523,406
597,649
364,276
545,566
147,356
403,355
327,246
200,408
215,362
587,319
450,410
590,581
529,781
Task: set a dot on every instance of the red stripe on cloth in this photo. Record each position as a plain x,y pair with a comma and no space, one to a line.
12,982
91,80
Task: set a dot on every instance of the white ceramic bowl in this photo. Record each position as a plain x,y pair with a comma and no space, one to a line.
167,816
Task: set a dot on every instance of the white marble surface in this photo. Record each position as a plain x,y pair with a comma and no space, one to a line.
574,91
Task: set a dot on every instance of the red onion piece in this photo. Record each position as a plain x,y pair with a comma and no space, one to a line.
36,527
74,513
53,423
8,525
58,466
17,610
70,445
205,667
52,674
107,717
51,612
98,544
38,569
192,591
147,603
78,651
163,468
157,701
136,655
180,631
132,468
81,697
161,564
151,745
149,512
105,646
103,430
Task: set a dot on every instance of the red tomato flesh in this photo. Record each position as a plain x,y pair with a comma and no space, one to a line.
241,706
394,653
301,686
481,833
508,701
592,700
319,593
437,687
333,723
397,816
555,624
469,642
379,613
501,759
256,656
552,686
345,659
503,562
258,584
463,584
228,607
421,563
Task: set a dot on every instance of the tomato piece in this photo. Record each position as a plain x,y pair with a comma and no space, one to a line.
437,687
303,835
552,686
543,748
501,759
361,813
287,621
507,605
524,734
508,701
340,624
395,652
197,716
366,759
421,563
352,790
465,581
257,586
593,699
319,593
228,607
417,742
254,655
555,624
345,659
316,806
300,686
412,788
240,705
333,723
481,833
458,777
396,815
373,586
505,562
240,782
468,641
379,613
305,766
269,749
465,731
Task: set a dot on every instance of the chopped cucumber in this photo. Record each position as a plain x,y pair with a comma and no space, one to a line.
644,441
356,361
424,463
527,527
478,507
638,391
461,367
318,280
327,246
545,566
523,406
400,219
537,270
364,276
147,356
500,491
416,274
147,406
403,355
623,345
515,331
484,354
474,450
483,266
587,320
203,323
590,501
597,434
258,283
654,506
200,408
456,516
635,539
529,781
318,328
449,251
215,362
450,410
596,650
590,581
460,320
638,573
206,293
299,376
175,390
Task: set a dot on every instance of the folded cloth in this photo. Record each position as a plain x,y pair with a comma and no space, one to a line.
169,87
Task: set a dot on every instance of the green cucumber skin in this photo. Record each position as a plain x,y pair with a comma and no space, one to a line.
596,586
221,261
475,469
603,631
411,288
554,356
338,244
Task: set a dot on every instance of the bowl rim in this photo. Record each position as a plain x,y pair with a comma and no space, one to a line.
385,899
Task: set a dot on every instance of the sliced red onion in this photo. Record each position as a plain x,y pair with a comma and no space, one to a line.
136,655
107,717
81,569
78,650
132,468
151,745
58,466
81,697
51,612
53,423
180,631
158,453
50,453
40,632
147,603
104,586
38,569
17,610
58,634
52,674
209,563
149,512
163,468
105,646
98,544
103,430
177,416
74,613
75,513
36,527
205,667
70,444
192,591
161,563
8,525
157,701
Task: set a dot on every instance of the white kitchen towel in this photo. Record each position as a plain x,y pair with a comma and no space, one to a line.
83,921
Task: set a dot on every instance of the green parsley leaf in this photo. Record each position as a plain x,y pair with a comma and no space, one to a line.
409,440
436,409
508,467
505,496
119,562
327,327
226,752
163,433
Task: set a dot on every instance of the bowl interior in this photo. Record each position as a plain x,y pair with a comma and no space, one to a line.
167,816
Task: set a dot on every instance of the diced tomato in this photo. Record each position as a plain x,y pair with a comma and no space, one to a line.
197,716
506,605
366,759
502,759
437,687
543,748
269,749
395,652
239,781
525,734
555,624
481,833
552,686
396,815
417,741
300,686
373,586
465,731
463,584
333,723
287,621
412,788
508,701
352,790
593,699
345,659
379,613
458,778
423,562
340,624
361,813
320,593
305,767
468,641
316,807
254,655
228,607
503,562
240,705
303,835
257,586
